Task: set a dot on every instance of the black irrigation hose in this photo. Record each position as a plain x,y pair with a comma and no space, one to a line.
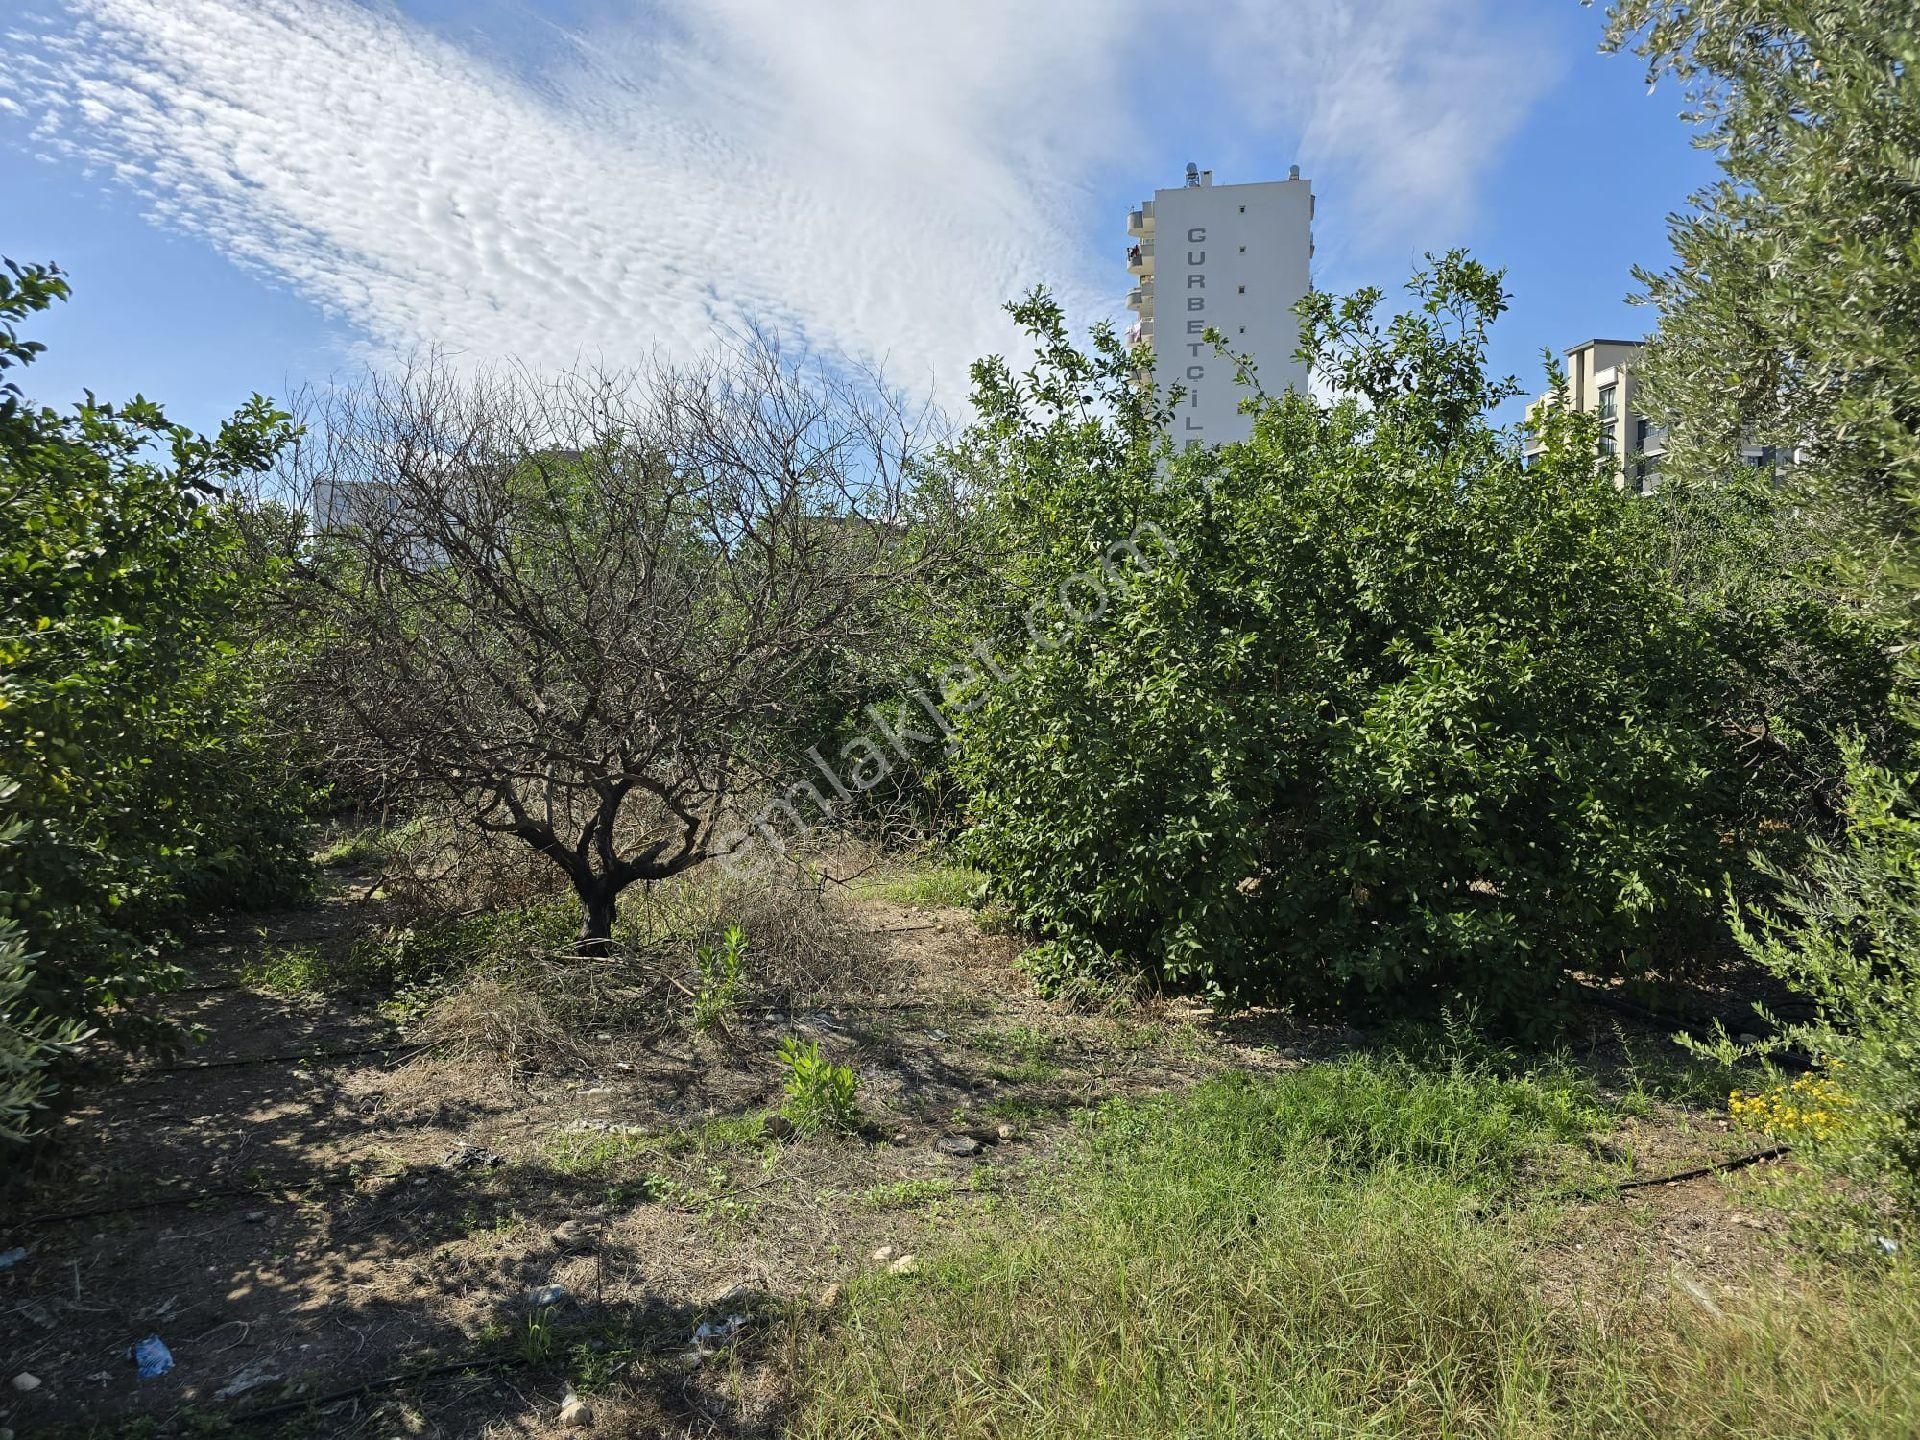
403,1377
298,1057
1700,1028
325,1182
1699,1172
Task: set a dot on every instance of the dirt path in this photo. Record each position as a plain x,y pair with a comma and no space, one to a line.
306,1204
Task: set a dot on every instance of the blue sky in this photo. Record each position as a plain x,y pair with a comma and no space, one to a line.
251,194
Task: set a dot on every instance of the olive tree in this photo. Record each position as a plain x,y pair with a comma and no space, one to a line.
595,612
1791,315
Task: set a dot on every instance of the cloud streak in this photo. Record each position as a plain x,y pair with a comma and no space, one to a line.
872,176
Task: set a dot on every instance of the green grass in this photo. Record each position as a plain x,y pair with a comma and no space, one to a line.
289,970
356,850
907,1194
929,885
1345,1250
1021,1055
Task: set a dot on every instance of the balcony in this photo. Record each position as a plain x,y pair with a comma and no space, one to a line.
1140,222
1140,258
1141,298
1140,333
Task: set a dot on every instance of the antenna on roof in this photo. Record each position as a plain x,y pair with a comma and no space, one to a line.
1193,174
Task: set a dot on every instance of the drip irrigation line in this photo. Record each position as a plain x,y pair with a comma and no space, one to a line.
295,1058
1700,1172
367,1387
662,1344
194,1197
1703,1027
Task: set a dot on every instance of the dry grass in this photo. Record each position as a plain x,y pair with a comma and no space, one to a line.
522,996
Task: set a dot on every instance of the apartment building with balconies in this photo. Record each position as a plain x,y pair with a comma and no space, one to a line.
1603,380
1230,258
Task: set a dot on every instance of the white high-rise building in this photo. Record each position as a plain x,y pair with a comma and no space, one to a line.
1231,258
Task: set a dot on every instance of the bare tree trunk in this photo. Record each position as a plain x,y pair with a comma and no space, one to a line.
599,902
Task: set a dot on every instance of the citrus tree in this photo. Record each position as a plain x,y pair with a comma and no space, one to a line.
133,784
1369,708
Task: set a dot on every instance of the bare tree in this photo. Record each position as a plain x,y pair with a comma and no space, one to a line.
589,612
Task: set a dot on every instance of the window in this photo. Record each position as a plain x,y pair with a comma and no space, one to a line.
1639,433
1608,408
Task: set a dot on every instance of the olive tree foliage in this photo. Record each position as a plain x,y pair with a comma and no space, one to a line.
1367,710
597,613
1791,316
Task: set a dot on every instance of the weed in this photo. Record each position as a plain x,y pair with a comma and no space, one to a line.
593,1156
935,886
907,1194
357,850
714,1197
820,1094
717,970
1026,1107
593,1370
289,970
499,1225
537,1340
1024,1055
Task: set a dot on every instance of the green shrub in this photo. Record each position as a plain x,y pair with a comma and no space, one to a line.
1845,932
1367,708
820,1094
718,975
136,770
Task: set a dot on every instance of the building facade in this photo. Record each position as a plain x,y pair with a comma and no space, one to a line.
1602,381
1231,258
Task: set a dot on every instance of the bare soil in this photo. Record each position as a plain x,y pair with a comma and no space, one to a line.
305,1207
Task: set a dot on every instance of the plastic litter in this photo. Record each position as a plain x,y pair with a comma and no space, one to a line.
153,1357
11,1258
1888,1247
718,1332
253,1377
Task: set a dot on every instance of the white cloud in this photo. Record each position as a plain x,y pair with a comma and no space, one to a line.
877,176
1404,101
